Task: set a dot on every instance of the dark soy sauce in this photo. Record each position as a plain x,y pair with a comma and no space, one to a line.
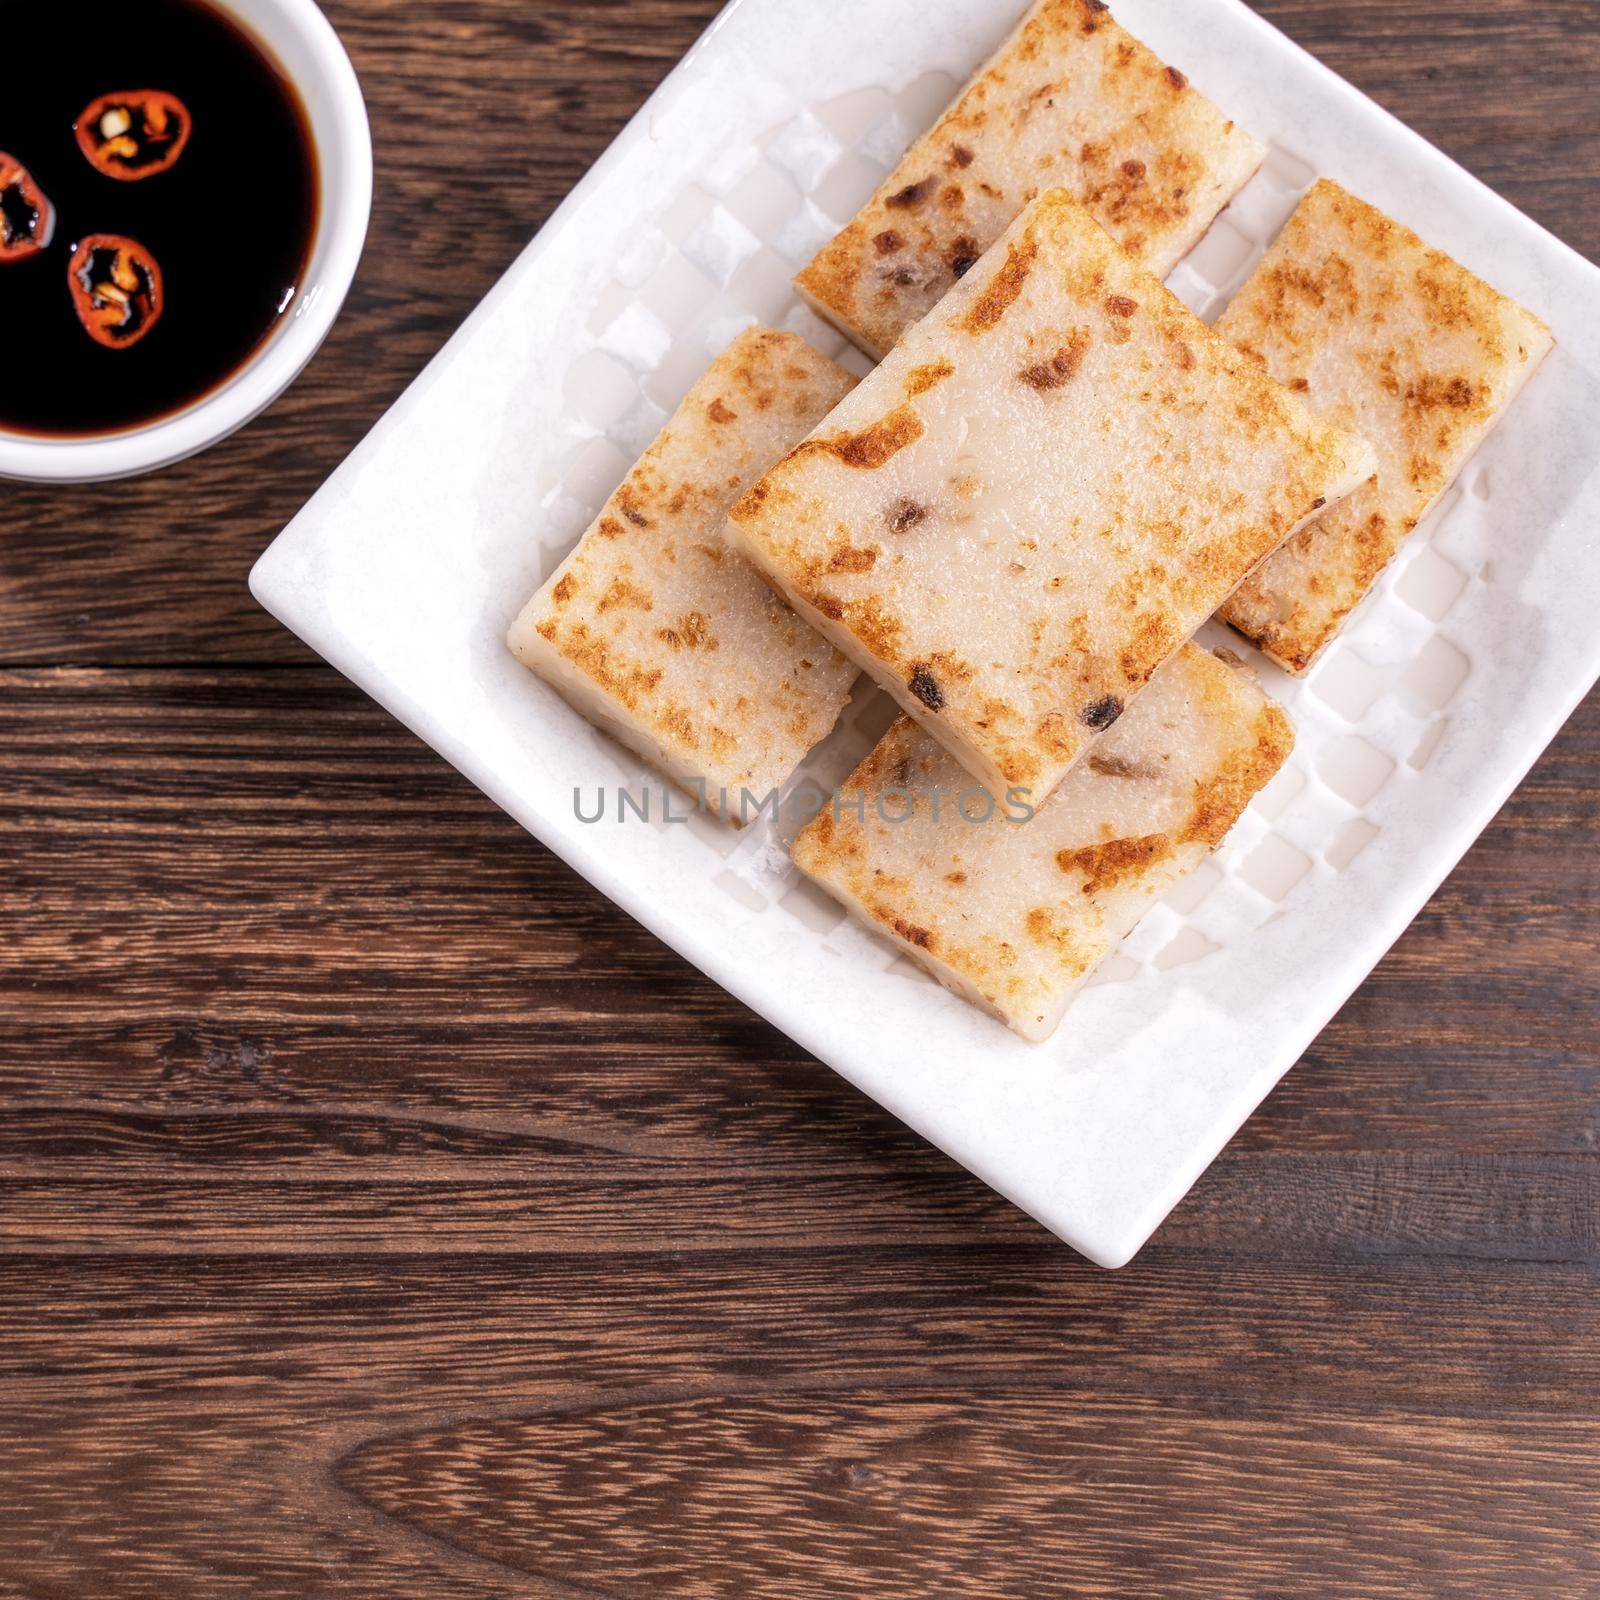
230,223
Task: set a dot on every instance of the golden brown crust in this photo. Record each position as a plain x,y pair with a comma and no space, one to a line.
658,631
1070,100
1061,368
1101,866
1001,291
1220,799
1013,915
872,447
1376,329
929,376
1188,465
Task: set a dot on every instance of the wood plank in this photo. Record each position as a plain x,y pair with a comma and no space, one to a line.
900,1495
191,1427
882,1494
365,1345
120,1187
258,892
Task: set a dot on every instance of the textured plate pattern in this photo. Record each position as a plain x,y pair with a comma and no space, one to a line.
718,256
1419,720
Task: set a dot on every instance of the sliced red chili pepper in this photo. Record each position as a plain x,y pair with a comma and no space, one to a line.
116,289
134,133
27,219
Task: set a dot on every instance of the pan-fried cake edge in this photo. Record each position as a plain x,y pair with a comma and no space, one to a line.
658,631
1071,100
1014,916
1189,539
1377,331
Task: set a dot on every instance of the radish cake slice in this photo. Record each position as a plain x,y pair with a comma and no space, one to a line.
658,631
1382,334
1050,483
1070,101
1014,914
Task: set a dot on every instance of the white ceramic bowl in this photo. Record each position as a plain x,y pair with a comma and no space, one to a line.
302,41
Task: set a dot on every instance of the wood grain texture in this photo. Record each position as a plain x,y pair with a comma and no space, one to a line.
383,1213
1056,1481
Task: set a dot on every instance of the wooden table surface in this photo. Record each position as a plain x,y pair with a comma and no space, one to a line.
384,1214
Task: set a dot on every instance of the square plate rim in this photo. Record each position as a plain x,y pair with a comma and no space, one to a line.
1107,1248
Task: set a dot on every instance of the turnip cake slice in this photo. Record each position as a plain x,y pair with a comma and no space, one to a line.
1050,483
1070,101
1382,334
657,630
1014,915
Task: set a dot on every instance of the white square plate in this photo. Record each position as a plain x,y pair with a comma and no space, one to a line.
406,568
